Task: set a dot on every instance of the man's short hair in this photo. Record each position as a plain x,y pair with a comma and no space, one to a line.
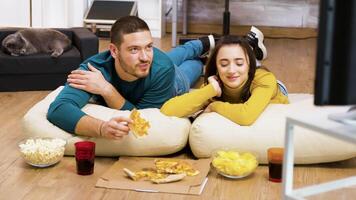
126,25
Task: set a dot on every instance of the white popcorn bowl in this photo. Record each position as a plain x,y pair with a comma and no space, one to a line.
42,152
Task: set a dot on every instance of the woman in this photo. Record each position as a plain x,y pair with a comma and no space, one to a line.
234,88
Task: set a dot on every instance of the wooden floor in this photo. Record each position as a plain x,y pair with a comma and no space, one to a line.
291,60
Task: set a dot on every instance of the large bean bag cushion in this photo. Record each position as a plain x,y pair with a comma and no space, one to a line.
167,134
212,131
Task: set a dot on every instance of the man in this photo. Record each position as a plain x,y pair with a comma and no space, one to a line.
132,74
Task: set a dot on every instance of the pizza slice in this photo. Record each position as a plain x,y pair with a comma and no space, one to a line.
153,176
175,167
170,178
147,174
140,126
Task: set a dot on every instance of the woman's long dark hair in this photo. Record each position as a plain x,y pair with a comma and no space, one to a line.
211,68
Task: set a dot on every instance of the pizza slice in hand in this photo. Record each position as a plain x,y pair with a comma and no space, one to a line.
140,126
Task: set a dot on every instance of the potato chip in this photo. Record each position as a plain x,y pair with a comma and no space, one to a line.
140,126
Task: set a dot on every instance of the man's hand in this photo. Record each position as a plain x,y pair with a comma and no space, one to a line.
90,81
115,128
94,82
213,80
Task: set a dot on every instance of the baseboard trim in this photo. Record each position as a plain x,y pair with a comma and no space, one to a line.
269,32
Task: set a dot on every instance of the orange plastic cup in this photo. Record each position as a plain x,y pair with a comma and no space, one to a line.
275,162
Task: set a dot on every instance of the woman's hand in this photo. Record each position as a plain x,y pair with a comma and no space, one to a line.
208,109
116,128
90,81
213,80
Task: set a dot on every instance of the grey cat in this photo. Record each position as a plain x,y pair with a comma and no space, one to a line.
32,41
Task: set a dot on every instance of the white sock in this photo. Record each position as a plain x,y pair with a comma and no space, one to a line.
212,42
258,63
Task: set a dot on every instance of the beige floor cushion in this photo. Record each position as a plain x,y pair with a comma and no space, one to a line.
212,131
167,134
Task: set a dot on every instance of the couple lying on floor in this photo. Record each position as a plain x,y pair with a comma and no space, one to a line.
134,74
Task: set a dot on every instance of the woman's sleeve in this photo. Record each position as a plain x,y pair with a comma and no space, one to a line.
188,103
247,113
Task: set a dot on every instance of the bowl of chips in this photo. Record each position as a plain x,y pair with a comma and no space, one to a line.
233,163
42,152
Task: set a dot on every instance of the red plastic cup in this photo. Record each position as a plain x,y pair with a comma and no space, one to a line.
85,156
275,161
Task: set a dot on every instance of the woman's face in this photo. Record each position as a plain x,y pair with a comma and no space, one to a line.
232,65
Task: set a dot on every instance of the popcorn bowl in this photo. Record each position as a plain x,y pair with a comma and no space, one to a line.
233,163
42,152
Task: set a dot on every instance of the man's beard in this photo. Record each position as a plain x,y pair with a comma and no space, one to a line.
131,71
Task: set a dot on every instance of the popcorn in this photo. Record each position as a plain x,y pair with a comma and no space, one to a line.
42,152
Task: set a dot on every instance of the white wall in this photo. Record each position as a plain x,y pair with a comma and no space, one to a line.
58,14
76,11
14,13
152,12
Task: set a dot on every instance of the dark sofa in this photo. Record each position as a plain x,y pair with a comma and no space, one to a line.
41,71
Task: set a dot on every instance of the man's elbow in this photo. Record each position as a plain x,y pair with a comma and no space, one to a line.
50,114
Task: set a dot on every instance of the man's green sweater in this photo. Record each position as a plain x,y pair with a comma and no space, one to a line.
149,92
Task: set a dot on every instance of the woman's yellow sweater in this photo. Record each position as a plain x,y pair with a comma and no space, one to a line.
264,90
